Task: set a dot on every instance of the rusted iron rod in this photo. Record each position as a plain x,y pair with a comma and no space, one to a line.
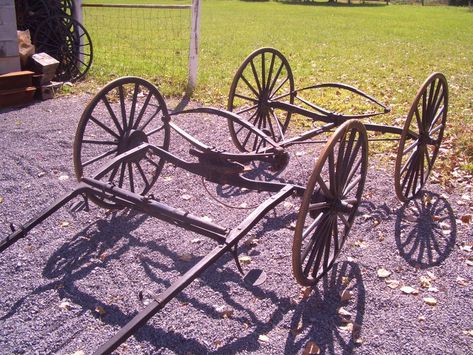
232,239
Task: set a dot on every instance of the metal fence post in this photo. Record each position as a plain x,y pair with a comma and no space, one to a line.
194,47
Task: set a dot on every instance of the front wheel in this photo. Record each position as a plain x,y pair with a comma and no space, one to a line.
329,204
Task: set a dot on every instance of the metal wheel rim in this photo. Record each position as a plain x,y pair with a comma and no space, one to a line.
144,114
415,159
264,85
344,184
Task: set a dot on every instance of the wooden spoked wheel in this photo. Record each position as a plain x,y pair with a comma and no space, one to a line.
66,40
264,76
123,115
421,137
330,201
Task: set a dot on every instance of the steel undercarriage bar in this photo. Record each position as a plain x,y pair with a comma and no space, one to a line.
157,209
23,229
232,239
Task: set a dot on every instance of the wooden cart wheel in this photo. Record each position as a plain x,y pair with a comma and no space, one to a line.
330,202
264,76
421,137
124,114
66,40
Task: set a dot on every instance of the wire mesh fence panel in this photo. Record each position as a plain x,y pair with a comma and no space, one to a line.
149,41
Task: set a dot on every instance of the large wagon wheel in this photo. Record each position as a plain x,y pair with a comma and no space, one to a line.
264,76
330,202
421,137
66,40
123,115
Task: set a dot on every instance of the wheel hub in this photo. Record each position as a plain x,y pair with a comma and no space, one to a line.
132,139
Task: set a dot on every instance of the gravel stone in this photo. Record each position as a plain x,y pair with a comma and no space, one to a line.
106,259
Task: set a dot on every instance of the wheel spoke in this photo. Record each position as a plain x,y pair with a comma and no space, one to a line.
311,227
344,221
278,124
279,87
412,146
142,128
105,128
321,248
318,206
122,106
270,72
89,141
246,109
130,176
275,79
142,173
263,72
133,105
408,162
247,98
249,85
122,175
156,130
142,111
99,157
324,187
255,75
353,171
331,174
112,114
350,187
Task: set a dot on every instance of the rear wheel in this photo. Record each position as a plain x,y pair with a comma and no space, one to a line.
264,76
421,137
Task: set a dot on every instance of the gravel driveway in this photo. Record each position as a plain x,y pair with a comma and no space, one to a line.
79,277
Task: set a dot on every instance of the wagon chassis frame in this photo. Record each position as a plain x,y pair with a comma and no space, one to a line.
329,202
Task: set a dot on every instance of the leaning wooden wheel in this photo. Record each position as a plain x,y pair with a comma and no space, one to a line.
264,76
421,137
329,204
125,114
66,40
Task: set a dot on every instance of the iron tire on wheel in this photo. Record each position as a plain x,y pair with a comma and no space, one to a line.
126,113
263,76
329,204
421,137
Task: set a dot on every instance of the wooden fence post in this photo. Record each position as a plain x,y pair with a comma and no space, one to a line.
194,47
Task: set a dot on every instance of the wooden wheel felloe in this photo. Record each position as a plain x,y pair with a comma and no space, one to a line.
330,202
421,137
264,76
123,115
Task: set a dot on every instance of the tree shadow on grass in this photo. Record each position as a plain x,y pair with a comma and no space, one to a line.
425,230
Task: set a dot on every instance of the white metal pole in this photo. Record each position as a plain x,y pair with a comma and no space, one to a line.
194,46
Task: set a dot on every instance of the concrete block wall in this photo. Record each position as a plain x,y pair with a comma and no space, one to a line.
9,56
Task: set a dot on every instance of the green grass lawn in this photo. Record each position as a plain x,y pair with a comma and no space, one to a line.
387,51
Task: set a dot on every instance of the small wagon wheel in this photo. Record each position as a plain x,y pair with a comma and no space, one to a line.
66,40
123,115
330,202
421,137
264,76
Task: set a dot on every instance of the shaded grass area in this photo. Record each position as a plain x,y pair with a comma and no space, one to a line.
387,51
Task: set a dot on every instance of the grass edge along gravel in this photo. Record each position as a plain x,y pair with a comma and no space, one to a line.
387,51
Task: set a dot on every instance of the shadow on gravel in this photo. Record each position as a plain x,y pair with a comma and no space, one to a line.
327,328
86,251
425,230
